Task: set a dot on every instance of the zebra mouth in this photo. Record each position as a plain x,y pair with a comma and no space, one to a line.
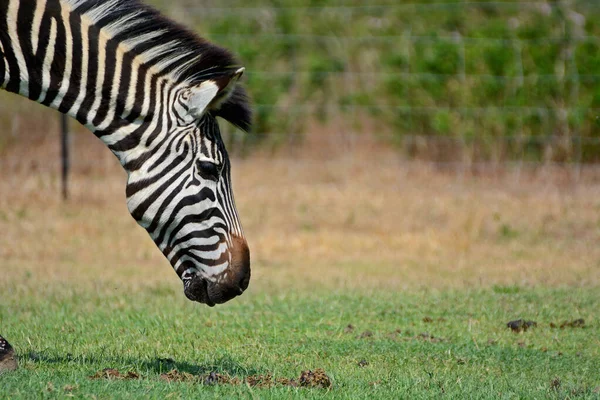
223,287
196,289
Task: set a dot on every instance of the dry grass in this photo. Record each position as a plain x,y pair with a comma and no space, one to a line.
364,219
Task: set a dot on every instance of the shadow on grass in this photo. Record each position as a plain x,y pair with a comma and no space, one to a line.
224,365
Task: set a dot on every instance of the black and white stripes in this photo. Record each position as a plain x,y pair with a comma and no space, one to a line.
150,90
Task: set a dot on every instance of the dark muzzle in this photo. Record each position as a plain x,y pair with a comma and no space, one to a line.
233,282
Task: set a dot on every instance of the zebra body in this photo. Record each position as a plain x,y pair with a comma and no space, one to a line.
151,91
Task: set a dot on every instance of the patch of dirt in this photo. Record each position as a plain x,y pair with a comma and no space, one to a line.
349,328
404,336
365,334
219,379
394,335
312,379
362,363
555,384
429,338
521,325
176,376
111,373
266,381
70,388
429,320
576,323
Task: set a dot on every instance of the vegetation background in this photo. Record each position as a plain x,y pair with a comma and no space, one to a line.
445,80
442,80
384,250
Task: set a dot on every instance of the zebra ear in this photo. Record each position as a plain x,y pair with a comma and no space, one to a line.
236,109
212,93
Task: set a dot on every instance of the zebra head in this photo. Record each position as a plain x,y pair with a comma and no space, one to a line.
150,90
181,194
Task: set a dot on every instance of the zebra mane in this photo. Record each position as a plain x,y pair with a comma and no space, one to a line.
175,50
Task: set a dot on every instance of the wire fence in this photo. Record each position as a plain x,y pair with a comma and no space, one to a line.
463,84
535,112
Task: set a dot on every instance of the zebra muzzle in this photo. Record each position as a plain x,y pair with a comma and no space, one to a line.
233,283
237,276
196,289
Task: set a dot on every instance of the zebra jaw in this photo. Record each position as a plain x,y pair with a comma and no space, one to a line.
202,290
233,282
196,289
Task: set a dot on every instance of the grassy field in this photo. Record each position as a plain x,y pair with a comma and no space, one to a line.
372,344
397,280
392,278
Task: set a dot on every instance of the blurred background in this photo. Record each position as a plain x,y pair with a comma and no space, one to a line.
396,144
450,82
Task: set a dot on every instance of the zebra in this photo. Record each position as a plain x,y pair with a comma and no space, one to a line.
8,360
151,90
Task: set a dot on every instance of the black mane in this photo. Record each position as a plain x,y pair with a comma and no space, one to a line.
199,60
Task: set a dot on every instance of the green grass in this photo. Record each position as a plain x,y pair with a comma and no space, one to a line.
422,344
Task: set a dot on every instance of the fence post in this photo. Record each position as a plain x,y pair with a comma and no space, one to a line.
64,153
518,50
462,76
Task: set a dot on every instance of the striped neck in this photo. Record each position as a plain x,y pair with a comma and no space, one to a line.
114,65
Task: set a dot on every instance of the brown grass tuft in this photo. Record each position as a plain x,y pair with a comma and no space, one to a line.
356,220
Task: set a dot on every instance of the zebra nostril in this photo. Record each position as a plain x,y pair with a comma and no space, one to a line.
244,281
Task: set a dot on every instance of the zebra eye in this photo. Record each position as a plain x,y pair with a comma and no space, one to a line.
208,170
185,95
